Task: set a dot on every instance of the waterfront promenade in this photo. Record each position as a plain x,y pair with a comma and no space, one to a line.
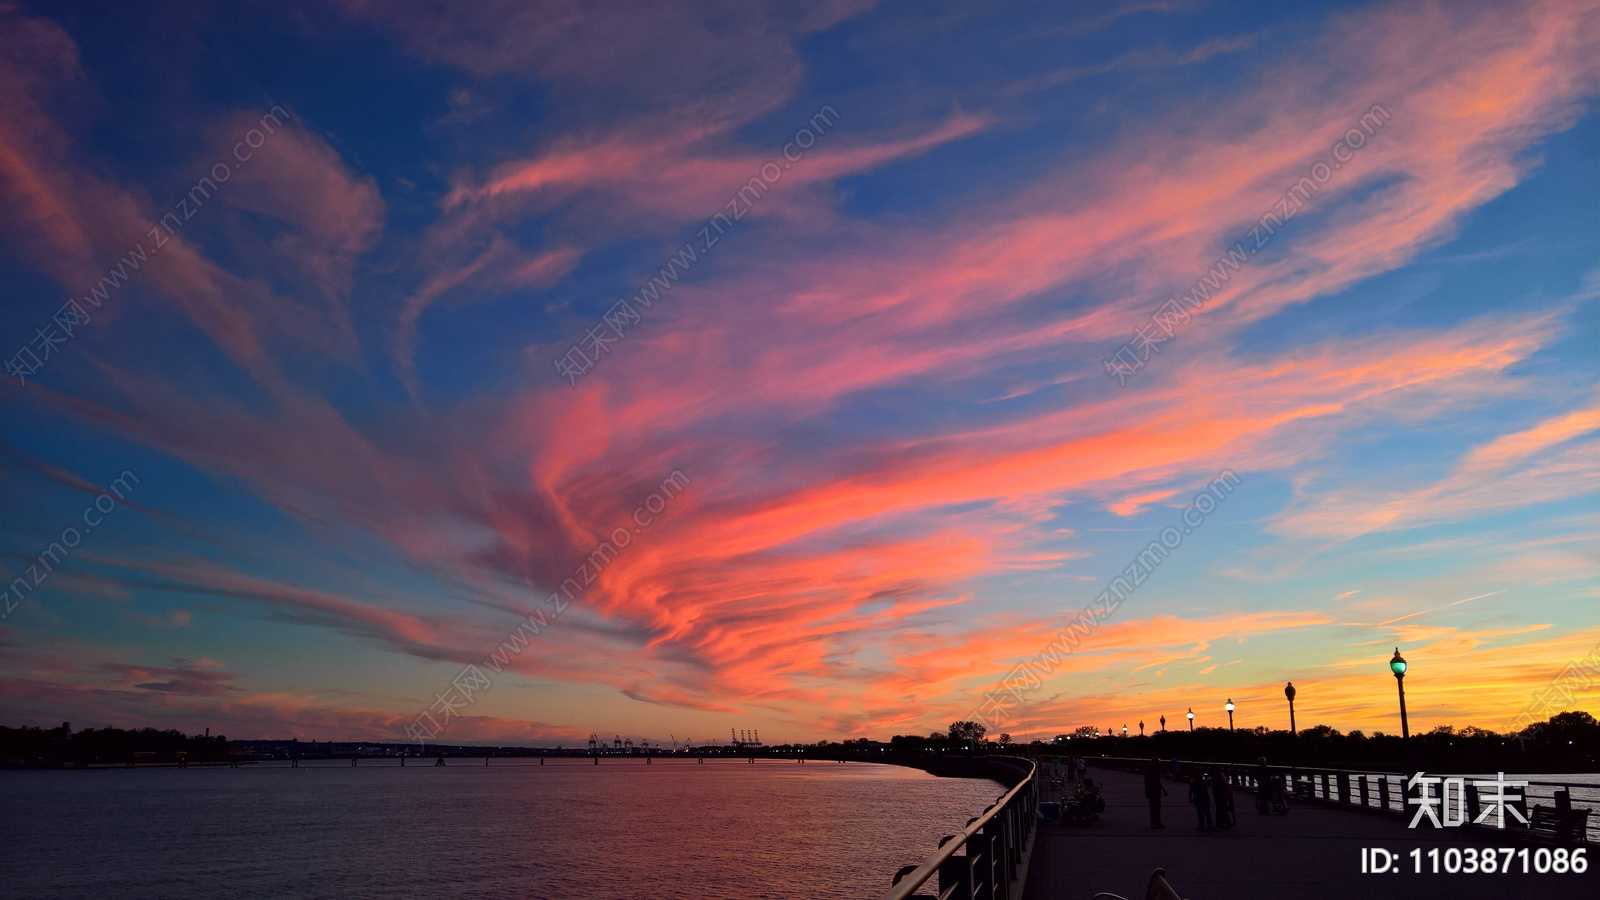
1314,852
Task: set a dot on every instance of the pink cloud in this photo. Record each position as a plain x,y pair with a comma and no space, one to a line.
75,225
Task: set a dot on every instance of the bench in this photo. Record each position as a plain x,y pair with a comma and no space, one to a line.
1565,824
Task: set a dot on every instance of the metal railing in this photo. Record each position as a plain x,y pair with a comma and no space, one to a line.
1385,792
996,845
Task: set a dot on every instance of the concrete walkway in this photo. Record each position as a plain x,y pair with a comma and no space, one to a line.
1311,853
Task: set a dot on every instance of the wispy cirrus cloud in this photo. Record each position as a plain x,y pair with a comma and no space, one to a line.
907,435
1541,464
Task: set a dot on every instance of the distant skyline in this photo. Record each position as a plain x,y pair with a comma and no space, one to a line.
802,368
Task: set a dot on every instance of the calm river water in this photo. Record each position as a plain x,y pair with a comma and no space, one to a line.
514,829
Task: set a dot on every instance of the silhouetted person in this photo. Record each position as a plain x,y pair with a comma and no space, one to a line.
1154,791
1222,799
1201,798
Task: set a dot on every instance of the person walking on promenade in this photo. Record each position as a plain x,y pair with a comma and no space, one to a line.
1201,798
1154,791
1080,769
1222,799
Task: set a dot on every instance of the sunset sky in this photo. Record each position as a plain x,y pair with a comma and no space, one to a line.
343,378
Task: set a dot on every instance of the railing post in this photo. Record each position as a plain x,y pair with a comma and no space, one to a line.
1361,785
977,887
1007,844
995,862
1013,844
1383,792
983,866
1344,787
974,870
1472,802
1002,882
956,872
1031,804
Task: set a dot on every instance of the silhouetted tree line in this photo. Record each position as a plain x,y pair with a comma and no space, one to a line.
1567,742
48,747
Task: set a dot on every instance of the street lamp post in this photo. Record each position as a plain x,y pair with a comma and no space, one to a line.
1288,691
1230,713
1124,731
1163,723
1397,665
1191,718
1141,728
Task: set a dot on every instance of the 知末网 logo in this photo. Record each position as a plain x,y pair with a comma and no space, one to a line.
1439,810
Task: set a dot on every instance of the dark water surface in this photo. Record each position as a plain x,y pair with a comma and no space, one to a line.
513,829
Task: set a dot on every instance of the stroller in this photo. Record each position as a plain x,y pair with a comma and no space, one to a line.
1270,797
1085,806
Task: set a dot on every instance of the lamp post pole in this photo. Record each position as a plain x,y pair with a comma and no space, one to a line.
1288,691
1397,665
1230,713
1191,718
1163,723
1141,728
